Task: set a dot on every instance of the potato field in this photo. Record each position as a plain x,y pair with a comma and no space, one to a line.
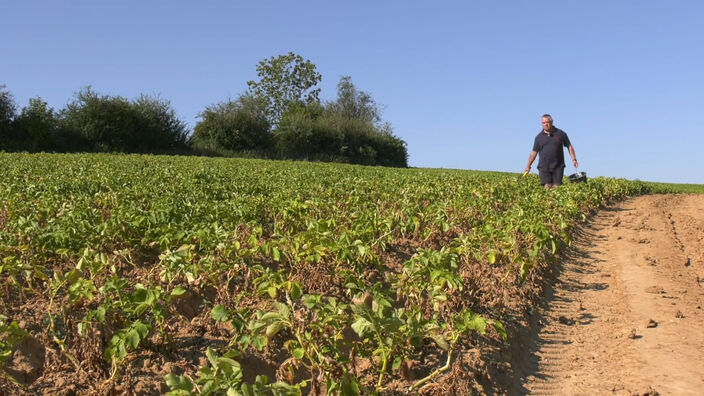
131,274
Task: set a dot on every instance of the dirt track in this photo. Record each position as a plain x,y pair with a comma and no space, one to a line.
626,315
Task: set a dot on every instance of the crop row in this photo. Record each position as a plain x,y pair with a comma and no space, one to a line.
336,279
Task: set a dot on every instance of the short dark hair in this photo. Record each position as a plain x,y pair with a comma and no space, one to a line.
548,116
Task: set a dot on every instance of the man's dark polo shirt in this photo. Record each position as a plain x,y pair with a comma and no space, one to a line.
549,148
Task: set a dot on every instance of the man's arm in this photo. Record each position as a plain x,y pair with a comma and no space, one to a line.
574,156
531,158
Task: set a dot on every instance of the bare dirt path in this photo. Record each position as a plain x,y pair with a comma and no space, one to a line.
626,315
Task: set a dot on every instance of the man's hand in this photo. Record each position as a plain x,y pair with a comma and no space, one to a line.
575,163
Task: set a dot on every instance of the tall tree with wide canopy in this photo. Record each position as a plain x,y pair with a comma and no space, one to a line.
284,81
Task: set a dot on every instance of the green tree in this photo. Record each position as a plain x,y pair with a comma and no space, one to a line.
353,103
39,124
303,133
239,125
113,123
7,105
7,115
160,128
284,81
105,122
367,139
319,133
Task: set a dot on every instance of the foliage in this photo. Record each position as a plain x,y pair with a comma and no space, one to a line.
160,127
10,336
7,107
113,123
333,138
280,116
223,375
346,130
7,115
39,124
239,125
352,103
314,266
285,81
673,188
303,134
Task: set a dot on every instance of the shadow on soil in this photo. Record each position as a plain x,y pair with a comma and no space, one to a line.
580,258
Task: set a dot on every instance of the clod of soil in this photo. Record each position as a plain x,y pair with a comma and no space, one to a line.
632,334
188,304
27,361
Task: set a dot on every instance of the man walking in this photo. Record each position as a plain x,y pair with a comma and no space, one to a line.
548,144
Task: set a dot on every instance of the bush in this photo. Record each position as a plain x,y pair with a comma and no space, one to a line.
112,123
7,115
235,126
38,125
160,128
314,133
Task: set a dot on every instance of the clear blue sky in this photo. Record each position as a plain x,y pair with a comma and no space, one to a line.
463,83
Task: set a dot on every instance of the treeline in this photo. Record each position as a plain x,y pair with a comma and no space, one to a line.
91,122
280,116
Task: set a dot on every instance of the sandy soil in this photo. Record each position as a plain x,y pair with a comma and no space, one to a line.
625,315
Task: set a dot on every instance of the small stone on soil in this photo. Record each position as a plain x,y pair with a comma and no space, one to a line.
632,334
679,314
651,323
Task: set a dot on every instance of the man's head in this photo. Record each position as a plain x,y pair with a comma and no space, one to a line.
547,122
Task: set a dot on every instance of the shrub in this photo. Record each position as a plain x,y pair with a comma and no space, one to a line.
112,123
38,124
160,128
7,115
313,133
236,126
